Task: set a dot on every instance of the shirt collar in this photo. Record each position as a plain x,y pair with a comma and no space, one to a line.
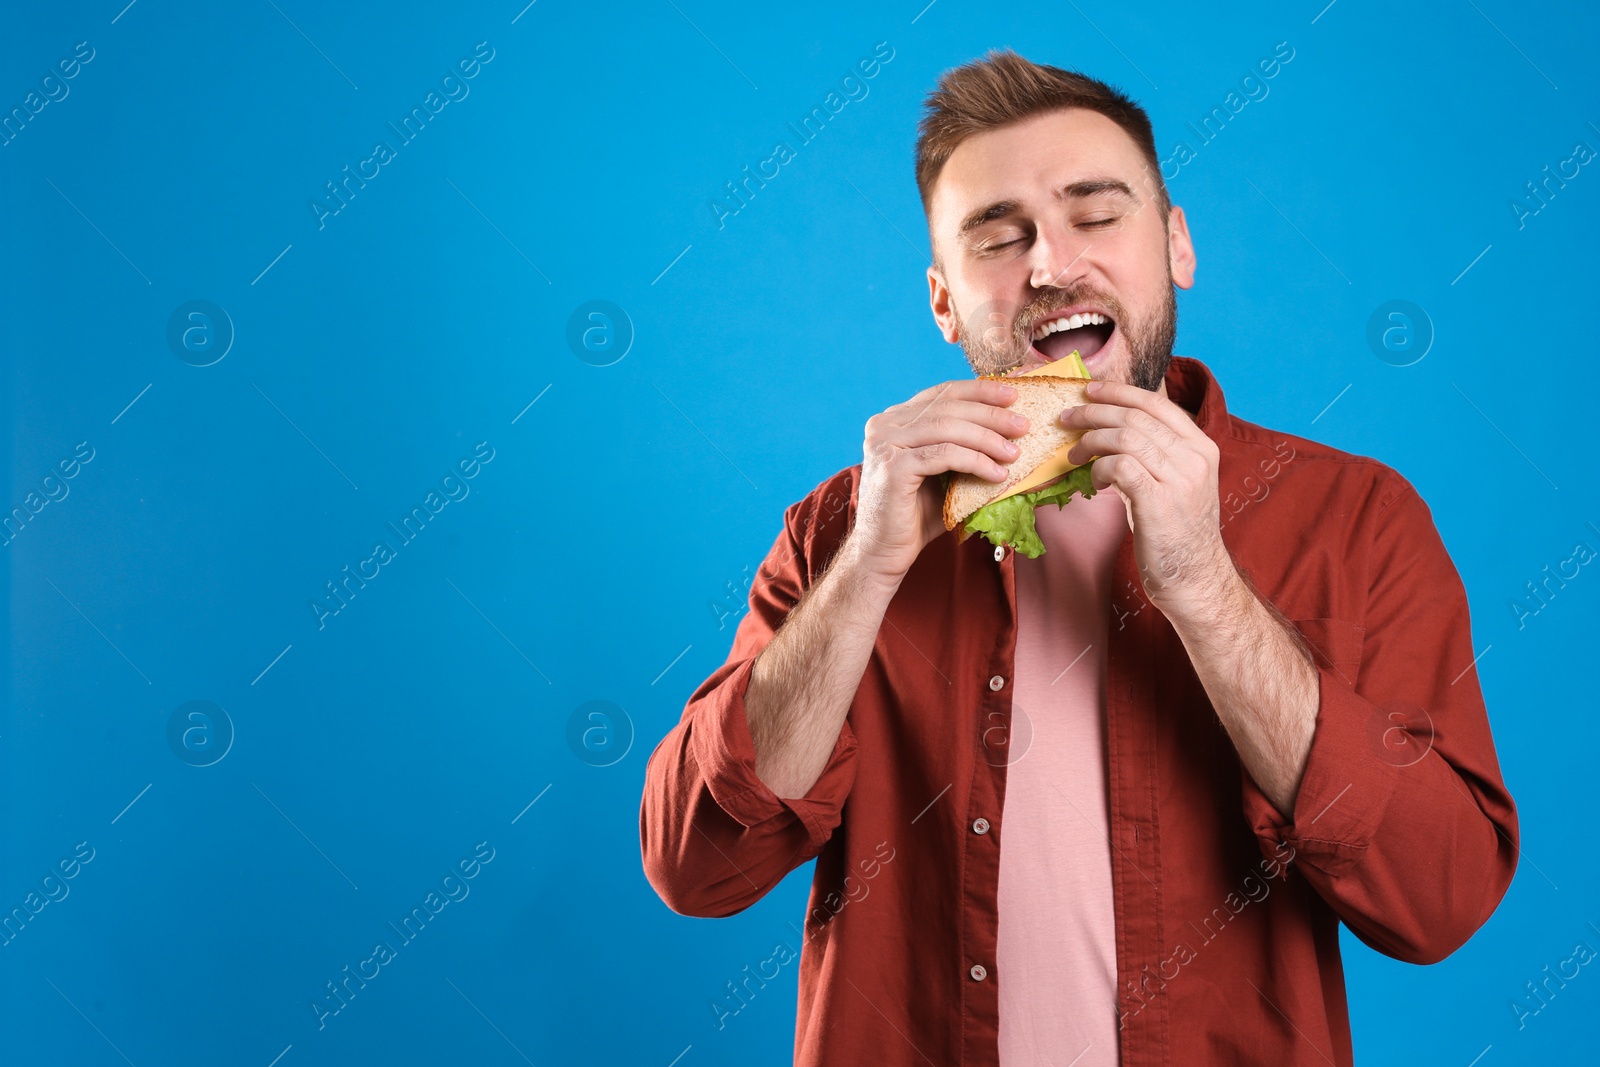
1191,385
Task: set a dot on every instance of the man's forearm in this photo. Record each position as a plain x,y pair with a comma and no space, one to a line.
803,682
1261,682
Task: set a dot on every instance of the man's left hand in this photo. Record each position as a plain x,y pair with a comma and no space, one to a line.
1165,467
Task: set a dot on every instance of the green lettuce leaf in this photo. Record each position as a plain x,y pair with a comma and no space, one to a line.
1010,521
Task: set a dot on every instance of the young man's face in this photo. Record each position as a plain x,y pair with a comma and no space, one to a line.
1049,217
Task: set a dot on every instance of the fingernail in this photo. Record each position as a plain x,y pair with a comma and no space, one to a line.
1092,387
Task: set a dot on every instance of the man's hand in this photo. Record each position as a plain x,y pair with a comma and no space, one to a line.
1166,468
804,680
1261,681
957,426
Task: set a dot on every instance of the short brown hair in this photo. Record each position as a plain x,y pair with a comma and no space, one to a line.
1002,88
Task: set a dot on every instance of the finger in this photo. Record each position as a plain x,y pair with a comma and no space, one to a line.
1125,472
999,419
982,390
1096,416
1161,408
1123,440
1090,416
948,429
940,456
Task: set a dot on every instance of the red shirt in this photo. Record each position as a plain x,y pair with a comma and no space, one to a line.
1227,914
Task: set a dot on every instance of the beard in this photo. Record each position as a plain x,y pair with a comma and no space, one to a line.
993,347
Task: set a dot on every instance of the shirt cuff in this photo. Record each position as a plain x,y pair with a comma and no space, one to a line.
1344,790
727,758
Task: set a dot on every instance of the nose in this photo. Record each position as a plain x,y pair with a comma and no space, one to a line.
1058,256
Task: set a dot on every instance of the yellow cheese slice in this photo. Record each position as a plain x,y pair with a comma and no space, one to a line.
1071,366
1068,367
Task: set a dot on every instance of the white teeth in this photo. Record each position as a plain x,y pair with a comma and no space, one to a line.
1072,322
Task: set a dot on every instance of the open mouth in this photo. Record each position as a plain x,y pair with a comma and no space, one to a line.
1087,332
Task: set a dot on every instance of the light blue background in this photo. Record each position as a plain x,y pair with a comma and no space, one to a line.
587,560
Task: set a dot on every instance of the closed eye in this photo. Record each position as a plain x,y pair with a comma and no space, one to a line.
1087,224
1001,244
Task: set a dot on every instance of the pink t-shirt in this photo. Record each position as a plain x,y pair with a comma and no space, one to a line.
1056,957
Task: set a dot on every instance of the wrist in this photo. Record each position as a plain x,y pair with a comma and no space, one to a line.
1209,599
859,569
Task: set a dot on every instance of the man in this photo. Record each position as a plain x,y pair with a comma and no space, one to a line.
1108,805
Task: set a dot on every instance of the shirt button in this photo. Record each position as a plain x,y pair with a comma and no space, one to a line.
978,972
999,553
996,683
980,826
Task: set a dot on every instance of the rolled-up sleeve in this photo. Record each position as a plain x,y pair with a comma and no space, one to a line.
713,837
1402,822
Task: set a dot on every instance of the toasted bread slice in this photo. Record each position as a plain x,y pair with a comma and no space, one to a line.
1040,399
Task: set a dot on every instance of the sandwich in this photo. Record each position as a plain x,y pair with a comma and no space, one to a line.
1041,473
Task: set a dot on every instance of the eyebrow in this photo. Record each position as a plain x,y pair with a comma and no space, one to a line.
1076,191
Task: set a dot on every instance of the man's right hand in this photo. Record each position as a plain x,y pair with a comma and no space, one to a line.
956,426
804,680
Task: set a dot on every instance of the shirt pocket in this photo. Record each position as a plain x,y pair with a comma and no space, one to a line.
1335,644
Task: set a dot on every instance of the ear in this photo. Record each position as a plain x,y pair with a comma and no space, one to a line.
943,311
1180,249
